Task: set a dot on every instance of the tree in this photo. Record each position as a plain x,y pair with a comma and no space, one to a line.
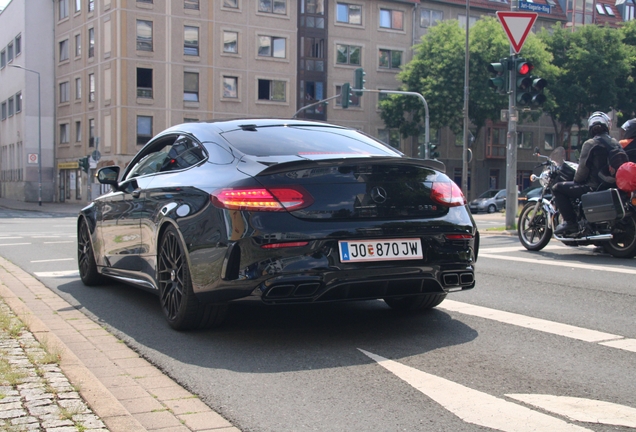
627,98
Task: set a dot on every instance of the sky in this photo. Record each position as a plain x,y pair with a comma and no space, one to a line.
3,3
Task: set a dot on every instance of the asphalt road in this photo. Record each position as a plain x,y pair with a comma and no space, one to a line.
539,329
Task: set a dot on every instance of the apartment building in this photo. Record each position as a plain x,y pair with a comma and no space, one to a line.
27,151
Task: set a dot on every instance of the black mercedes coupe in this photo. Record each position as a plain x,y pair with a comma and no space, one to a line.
283,211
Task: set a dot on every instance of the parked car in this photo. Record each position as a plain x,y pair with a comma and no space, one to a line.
531,192
489,201
282,211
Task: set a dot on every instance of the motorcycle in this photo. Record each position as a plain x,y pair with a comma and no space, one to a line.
606,218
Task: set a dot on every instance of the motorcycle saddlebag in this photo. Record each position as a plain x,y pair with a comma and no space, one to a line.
603,206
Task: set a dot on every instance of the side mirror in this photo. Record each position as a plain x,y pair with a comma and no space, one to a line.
108,175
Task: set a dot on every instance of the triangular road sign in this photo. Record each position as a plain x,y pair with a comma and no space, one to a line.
517,25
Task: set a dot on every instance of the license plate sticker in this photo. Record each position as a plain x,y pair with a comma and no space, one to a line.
380,250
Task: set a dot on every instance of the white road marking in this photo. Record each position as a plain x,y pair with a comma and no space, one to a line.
58,242
518,248
45,236
52,260
61,273
10,238
14,244
552,327
559,263
473,406
583,410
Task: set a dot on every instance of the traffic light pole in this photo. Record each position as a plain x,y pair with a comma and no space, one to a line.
511,154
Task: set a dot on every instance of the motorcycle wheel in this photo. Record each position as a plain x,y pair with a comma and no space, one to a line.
623,245
534,232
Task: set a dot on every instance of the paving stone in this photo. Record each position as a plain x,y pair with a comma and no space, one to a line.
12,413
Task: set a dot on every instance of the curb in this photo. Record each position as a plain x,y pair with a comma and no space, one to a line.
124,390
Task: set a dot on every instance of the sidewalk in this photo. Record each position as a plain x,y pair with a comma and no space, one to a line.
120,391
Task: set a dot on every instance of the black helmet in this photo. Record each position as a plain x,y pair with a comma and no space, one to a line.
630,129
599,123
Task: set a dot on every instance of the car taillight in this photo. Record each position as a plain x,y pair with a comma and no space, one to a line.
447,193
458,236
262,199
284,245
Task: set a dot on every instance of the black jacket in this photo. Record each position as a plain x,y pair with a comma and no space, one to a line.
593,167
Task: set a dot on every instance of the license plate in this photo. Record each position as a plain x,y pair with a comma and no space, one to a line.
380,250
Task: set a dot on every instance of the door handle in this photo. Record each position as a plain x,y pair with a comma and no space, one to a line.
136,193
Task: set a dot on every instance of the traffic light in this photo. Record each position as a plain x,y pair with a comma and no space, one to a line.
523,82
358,81
345,95
499,72
432,151
421,151
83,164
538,98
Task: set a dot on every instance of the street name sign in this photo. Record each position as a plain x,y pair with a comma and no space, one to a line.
517,25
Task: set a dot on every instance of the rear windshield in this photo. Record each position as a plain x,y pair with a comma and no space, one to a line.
305,140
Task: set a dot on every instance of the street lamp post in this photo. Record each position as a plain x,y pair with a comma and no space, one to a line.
39,133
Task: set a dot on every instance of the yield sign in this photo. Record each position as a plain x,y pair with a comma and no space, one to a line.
517,26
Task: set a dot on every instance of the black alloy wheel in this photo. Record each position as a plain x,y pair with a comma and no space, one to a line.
533,227
623,243
86,257
415,303
182,309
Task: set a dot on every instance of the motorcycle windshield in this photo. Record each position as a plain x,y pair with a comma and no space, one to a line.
558,155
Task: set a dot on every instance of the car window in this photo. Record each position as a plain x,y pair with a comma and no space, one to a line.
501,194
168,155
488,194
305,140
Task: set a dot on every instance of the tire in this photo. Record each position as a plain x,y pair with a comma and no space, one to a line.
180,307
86,257
535,233
492,208
415,303
623,245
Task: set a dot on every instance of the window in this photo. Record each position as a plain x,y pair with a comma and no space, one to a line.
10,52
11,106
312,53
348,54
496,143
91,87
390,137
144,129
273,6
312,91
18,45
609,10
91,5
144,1
63,9
144,35
230,42
78,131
271,90
78,88
599,9
144,83
430,17
391,19
390,59
191,4
354,100
230,4
457,176
4,111
64,50
91,132
64,92
350,14
18,102
230,87
462,21
191,87
64,133
524,139
191,41
91,42
3,58
548,141
629,12
78,5
312,14
269,46
78,45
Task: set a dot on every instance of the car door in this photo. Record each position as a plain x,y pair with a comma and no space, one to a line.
500,199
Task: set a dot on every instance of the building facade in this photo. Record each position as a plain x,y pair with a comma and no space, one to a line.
27,151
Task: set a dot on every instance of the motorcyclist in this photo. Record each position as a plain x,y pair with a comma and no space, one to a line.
593,172
628,143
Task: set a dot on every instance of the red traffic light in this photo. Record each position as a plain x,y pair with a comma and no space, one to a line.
524,68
